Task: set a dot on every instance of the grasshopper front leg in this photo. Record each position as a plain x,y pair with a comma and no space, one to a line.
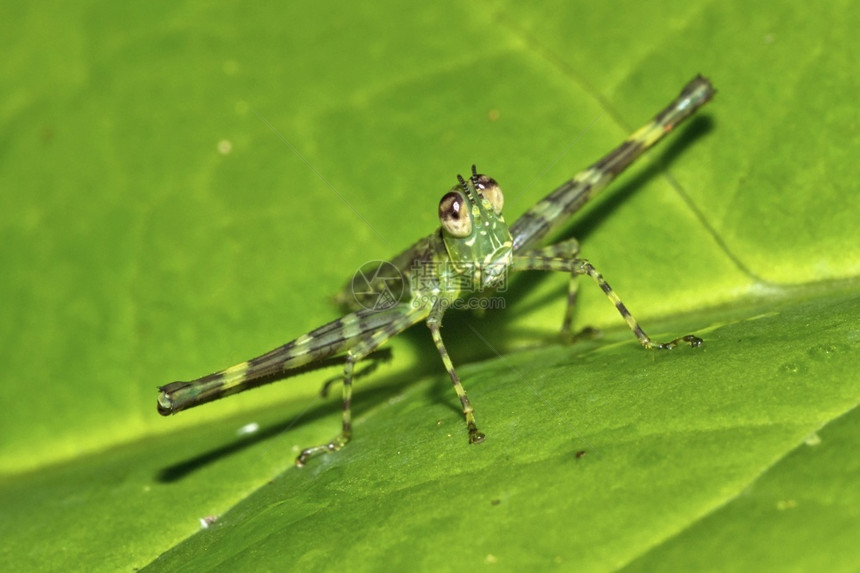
434,323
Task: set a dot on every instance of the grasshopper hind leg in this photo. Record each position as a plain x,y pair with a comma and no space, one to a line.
378,357
345,434
402,317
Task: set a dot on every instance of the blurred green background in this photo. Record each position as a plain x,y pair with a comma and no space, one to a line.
185,185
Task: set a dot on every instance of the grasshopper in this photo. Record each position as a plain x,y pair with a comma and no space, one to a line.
473,250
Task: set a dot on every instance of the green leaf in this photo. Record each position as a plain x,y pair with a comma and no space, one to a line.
583,468
185,186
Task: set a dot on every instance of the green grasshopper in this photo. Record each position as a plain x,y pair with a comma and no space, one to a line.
473,250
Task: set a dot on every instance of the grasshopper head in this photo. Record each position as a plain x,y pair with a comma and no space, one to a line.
475,233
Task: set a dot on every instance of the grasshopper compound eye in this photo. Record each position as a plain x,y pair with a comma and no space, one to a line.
491,191
454,215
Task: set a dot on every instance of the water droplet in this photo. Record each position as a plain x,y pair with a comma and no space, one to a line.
823,351
790,368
